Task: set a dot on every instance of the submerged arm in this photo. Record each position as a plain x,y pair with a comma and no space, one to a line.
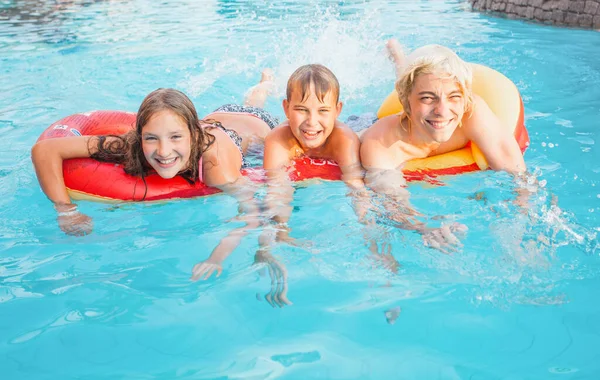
225,175
243,191
389,184
280,191
347,156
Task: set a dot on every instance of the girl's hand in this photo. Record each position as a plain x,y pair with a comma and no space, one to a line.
72,222
206,268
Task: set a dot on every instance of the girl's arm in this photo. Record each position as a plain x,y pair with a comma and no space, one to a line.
48,156
243,190
222,170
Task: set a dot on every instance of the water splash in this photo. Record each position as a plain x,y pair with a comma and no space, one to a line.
348,45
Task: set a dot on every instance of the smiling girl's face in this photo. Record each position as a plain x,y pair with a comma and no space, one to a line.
166,143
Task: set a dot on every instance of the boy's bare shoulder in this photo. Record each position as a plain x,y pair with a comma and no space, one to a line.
281,135
342,131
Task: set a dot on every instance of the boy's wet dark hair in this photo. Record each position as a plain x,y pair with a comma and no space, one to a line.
319,76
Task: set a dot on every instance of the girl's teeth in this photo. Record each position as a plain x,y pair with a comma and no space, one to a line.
169,161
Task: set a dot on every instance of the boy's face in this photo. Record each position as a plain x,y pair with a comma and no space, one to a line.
311,121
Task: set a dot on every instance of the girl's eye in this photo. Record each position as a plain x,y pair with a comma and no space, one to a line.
427,99
176,137
149,138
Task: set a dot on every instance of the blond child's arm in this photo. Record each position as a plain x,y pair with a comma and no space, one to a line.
497,143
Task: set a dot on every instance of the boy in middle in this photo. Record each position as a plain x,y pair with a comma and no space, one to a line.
312,107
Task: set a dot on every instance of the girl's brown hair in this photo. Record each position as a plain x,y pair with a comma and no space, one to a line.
127,149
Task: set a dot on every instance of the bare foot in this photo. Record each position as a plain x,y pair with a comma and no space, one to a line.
257,95
396,53
267,75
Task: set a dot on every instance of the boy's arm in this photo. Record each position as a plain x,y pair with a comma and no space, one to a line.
279,188
497,144
346,153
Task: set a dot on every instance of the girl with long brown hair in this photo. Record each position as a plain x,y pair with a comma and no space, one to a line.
169,139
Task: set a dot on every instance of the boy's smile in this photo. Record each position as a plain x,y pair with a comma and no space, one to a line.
311,121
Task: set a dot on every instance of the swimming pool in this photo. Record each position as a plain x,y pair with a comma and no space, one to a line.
518,301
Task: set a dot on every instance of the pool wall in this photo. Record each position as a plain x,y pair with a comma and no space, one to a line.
581,14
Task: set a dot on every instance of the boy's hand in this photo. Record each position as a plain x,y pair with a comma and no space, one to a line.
278,274
385,257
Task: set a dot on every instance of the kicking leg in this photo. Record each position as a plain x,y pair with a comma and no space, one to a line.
257,95
396,55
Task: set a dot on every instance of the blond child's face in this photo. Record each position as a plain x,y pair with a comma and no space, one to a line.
437,106
311,121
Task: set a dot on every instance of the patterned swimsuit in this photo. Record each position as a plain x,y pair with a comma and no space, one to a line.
271,121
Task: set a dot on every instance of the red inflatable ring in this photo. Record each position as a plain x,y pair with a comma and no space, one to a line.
88,179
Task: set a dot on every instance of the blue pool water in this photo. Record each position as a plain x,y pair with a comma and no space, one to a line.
518,301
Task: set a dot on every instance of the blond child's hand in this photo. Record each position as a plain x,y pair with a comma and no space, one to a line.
444,238
384,258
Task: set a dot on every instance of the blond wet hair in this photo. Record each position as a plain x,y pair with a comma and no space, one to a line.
439,61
